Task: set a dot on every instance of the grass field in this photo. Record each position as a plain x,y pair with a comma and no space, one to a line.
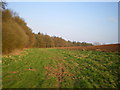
60,68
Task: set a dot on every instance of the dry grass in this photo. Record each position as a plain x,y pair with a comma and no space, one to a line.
15,52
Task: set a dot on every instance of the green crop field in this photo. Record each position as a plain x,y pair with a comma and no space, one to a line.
60,68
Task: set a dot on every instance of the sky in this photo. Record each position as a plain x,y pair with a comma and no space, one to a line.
74,21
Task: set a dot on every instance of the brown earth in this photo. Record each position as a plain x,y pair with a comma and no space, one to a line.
104,48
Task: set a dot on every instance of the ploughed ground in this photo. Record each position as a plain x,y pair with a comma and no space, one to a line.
104,48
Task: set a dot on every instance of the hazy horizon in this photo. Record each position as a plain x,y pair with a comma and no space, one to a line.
74,21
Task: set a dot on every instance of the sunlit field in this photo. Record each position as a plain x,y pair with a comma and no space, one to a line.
60,68
60,44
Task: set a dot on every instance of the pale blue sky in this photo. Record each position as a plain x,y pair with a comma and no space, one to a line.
79,21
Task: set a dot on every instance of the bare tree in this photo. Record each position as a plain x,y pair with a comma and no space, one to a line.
4,4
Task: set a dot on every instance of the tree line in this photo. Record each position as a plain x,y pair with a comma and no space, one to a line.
17,35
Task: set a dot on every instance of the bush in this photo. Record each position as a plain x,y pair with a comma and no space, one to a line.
13,37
